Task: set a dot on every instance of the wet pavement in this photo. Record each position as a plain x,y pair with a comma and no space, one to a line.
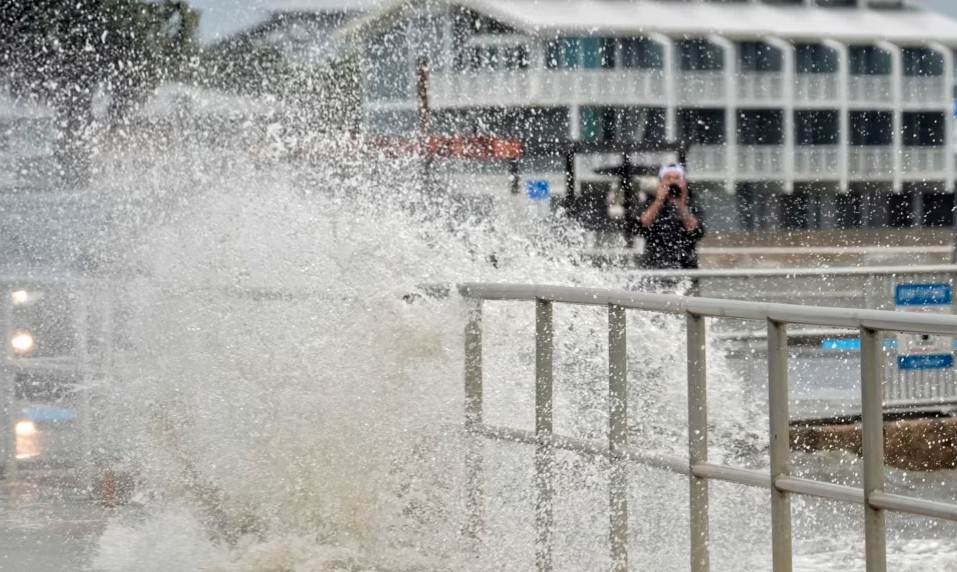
49,522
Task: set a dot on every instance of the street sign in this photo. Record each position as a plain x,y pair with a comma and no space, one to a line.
924,351
537,189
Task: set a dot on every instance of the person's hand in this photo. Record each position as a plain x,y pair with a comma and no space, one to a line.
682,200
662,196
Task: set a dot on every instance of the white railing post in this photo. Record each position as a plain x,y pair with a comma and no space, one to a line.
618,436
475,494
872,427
544,452
897,115
698,441
779,434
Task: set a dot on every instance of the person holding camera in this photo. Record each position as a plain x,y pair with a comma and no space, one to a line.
670,224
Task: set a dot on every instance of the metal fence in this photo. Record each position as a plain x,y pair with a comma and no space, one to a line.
869,323
58,344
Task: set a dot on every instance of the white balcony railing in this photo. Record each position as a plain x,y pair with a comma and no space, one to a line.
925,90
923,160
811,87
601,86
871,162
701,87
636,87
760,86
707,161
760,161
482,88
870,88
817,161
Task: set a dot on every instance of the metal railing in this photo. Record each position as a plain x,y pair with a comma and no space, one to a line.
88,323
870,323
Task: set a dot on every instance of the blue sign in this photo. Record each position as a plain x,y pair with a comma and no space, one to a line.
841,344
537,190
922,294
925,361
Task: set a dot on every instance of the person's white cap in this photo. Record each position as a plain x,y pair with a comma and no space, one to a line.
671,168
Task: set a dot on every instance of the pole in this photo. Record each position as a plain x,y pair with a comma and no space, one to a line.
422,90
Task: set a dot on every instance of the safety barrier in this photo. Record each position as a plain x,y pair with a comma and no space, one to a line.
869,323
75,316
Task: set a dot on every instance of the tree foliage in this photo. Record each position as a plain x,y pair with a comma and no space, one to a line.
64,52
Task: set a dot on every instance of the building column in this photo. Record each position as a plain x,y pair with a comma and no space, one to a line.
844,119
789,71
670,71
536,68
731,109
897,84
574,122
947,99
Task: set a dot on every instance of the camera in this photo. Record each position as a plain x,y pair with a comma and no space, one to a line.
674,191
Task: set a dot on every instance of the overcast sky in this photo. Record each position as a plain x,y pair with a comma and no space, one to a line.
223,17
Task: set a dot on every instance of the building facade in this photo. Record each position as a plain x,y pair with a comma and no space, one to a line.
799,113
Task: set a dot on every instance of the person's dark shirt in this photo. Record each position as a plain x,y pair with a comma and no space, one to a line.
667,243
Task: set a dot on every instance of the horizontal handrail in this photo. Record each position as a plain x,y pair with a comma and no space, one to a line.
869,325
799,272
721,308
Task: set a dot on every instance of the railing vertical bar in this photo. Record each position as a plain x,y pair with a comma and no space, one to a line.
618,436
778,418
872,426
698,441
544,453
475,494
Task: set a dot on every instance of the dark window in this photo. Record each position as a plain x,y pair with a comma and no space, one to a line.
389,75
702,126
938,209
622,124
598,53
816,127
899,210
758,57
641,53
850,210
869,60
923,128
553,55
761,127
871,128
795,210
922,62
700,55
815,58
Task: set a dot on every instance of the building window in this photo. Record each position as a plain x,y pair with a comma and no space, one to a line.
922,129
758,57
388,75
392,122
849,209
922,62
816,127
700,55
815,58
573,53
622,123
702,126
869,60
598,53
871,128
642,53
761,127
